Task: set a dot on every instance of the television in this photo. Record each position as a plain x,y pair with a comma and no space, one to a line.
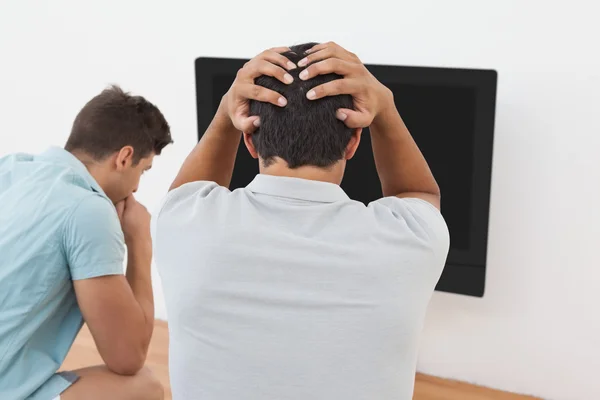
450,113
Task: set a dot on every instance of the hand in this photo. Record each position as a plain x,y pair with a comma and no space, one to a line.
237,99
135,221
370,96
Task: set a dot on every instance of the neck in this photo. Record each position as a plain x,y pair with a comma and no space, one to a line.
95,168
333,174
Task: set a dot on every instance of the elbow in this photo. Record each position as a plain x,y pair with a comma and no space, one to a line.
126,367
126,363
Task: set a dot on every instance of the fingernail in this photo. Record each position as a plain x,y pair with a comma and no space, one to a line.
341,116
282,101
256,122
291,65
304,75
311,94
303,62
288,78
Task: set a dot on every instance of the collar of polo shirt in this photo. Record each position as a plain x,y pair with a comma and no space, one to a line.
66,158
296,188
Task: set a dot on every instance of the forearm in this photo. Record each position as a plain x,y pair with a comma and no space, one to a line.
400,164
213,157
140,281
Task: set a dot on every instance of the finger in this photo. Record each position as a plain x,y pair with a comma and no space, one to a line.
334,88
328,52
281,49
318,55
255,92
249,124
120,206
274,56
259,67
129,201
354,119
320,46
329,66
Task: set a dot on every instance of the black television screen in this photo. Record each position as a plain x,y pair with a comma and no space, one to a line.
449,112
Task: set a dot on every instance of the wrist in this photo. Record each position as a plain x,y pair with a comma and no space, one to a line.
387,110
222,110
222,118
140,249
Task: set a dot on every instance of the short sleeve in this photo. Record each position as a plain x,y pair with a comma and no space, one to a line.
93,240
183,199
192,190
421,217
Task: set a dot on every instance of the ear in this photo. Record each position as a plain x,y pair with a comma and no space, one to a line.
353,144
250,145
124,158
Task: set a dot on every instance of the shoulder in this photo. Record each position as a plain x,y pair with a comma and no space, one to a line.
191,193
92,218
93,239
15,158
92,203
11,167
415,216
92,212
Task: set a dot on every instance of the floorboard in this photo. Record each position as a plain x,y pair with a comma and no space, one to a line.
84,354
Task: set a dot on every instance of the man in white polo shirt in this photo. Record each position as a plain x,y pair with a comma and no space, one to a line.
288,289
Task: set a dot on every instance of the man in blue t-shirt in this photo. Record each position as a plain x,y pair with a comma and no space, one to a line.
66,217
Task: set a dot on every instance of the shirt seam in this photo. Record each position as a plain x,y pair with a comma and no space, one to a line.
41,297
70,215
432,237
64,225
112,263
407,202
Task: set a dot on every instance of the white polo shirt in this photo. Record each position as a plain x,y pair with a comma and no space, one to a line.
289,290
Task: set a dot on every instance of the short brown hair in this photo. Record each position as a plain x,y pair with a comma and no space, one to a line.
114,119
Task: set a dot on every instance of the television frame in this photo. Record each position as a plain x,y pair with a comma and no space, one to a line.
465,270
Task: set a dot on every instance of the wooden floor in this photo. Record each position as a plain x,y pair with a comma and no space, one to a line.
84,354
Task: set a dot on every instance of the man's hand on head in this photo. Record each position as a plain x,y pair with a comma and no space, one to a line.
370,96
213,157
402,169
237,100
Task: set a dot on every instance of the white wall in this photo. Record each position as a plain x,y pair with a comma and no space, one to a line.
537,330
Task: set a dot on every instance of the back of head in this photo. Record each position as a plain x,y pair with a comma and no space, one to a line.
115,119
304,132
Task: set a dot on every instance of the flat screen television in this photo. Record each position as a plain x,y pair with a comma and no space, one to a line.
450,113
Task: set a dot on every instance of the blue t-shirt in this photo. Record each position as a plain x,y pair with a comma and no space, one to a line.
56,226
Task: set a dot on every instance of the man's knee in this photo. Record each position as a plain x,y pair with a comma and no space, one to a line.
148,387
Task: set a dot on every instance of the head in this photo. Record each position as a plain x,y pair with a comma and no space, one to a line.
116,135
304,138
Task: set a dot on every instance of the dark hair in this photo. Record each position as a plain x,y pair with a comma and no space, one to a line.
304,132
114,119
